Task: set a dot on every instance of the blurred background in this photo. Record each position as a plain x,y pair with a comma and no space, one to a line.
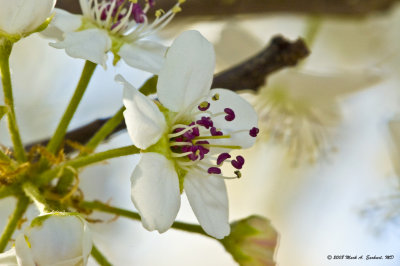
324,169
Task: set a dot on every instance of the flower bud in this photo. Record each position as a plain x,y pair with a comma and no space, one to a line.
54,239
252,242
23,17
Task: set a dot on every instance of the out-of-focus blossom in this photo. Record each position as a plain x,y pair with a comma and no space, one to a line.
19,18
252,242
300,109
186,137
60,239
119,26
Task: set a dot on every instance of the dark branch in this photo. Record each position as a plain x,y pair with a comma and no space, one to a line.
218,8
250,74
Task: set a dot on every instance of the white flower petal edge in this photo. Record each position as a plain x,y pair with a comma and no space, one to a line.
187,74
8,258
24,16
144,121
146,55
209,200
155,191
63,21
90,44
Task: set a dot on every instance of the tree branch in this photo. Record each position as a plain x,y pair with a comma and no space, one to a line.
249,75
220,8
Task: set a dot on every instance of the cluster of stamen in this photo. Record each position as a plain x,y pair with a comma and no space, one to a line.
190,143
128,17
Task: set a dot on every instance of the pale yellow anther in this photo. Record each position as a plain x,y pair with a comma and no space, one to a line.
204,105
215,97
181,1
159,12
176,9
133,1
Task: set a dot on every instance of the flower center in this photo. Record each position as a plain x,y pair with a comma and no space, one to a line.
129,18
198,145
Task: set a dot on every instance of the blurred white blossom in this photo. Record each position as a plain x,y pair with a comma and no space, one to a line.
119,26
22,17
60,239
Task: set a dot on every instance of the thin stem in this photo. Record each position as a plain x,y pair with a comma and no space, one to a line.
99,257
99,206
88,160
22,205
106,129
5,52
34,194
58,137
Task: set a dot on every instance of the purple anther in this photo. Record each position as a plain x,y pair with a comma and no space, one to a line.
214,170
222,157
204,106
137,13
152,3
206,122
238,163
202,150
192,133
254,132
230,114
215,132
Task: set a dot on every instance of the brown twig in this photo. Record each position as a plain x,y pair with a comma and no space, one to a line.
249,75
220,8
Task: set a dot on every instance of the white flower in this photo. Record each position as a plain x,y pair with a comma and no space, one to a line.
186,137
60,239
119,26
22,17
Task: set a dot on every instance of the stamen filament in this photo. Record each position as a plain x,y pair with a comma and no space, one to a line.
212,137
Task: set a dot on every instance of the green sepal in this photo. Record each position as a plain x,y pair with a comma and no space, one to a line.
38,221
150,86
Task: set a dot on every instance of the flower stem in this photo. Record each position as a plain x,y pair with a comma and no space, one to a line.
88,160
58,137
34,194
99,206
106,129
5,52
99,257
22,205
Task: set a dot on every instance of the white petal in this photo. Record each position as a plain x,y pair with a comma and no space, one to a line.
24,16
188,71
208,197
8,258
92,45
57,240
144,121
155,191
23,252
245,117
62,22
144,55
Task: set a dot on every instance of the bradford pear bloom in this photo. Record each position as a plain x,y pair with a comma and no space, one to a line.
119,26
252,242
60,239
186,136
22,17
